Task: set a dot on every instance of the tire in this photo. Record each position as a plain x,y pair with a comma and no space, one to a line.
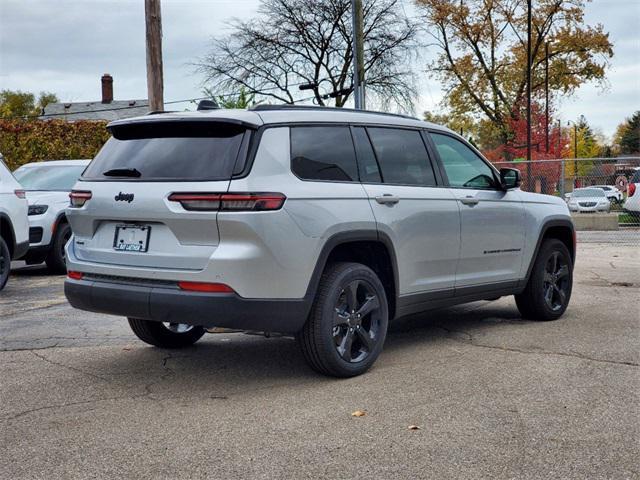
547,294
5,263
56,260
164,335
347,326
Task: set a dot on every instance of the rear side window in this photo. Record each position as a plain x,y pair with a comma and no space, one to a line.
171,151
323,153
402,156
367,164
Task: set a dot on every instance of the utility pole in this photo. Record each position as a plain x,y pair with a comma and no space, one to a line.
575,152
155,84
561,159
358,54
529,183
546,94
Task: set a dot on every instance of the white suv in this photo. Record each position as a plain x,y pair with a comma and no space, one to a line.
47,186
632,204
318,222
14,227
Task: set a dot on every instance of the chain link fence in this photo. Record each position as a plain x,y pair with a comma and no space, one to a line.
568,177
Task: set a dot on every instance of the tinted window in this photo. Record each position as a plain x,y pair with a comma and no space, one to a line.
367,164
402,156
323,153
463,166
636,177
171,151
48,177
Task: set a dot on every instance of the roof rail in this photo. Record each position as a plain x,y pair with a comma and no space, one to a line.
268,108
158,112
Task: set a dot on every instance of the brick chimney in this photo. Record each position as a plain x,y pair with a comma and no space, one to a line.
107,88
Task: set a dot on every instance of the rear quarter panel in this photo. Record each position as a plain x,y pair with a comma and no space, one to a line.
315,212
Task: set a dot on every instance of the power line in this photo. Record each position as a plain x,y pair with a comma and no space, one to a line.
188,100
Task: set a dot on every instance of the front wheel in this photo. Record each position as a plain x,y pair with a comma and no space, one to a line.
56,259
166,335
348,323
548,291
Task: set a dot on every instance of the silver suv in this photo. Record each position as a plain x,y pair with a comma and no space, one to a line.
322,223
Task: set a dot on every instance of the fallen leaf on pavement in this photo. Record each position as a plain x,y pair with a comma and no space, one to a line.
358,413
414,427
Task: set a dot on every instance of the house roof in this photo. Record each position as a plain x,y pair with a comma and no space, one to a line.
115,110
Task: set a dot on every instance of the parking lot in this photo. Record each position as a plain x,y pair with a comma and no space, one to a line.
493,396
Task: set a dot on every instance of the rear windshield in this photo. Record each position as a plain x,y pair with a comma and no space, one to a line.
48,177
170,151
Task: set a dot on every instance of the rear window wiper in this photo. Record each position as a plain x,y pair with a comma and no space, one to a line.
122,172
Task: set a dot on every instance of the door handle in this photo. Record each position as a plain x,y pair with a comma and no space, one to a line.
387,198
471,201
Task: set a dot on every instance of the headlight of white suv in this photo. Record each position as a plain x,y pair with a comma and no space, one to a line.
37,209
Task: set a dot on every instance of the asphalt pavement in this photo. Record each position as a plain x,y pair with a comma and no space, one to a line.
493,396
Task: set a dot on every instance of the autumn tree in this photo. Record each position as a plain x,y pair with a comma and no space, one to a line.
292,42
482,59
627,136
15,103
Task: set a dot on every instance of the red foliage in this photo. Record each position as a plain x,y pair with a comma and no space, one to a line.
516,148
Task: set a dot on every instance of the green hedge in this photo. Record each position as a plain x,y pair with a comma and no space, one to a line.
23,141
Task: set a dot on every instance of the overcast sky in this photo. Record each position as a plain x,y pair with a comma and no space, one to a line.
64,46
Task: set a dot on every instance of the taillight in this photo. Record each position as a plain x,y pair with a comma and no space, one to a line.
79,197
20,193
632,189
205,287
75,275
236,202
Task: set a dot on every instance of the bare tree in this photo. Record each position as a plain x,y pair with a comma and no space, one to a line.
295,42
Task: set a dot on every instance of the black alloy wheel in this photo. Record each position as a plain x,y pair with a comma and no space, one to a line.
347,326
357,320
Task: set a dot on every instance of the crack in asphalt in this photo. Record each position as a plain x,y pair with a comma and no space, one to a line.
469,340
68,367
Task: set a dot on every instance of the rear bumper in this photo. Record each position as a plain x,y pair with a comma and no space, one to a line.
167,304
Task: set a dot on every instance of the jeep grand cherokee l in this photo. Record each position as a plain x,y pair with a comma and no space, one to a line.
322,223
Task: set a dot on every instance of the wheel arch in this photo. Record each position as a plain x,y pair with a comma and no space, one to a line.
7,233
60,219
560,229
369,247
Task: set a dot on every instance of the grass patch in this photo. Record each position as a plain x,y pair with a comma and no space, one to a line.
628,217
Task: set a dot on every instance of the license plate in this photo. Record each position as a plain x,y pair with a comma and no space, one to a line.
132,238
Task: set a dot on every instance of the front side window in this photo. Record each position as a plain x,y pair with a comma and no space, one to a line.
323,153
402,156
463,166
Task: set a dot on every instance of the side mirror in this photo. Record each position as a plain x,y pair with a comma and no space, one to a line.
510,178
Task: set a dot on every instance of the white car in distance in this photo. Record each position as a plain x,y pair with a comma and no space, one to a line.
589,200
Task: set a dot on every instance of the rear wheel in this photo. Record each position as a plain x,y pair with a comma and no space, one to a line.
56,259
166,335
348,323
5,263
548,291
